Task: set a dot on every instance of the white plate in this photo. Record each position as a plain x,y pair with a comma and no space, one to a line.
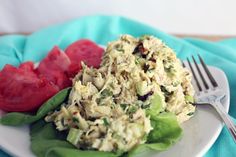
199,133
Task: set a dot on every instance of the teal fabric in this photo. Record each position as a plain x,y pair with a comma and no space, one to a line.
15,49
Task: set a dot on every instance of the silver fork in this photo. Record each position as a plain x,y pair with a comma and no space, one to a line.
211,96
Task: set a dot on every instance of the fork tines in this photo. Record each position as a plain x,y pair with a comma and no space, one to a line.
200,73
213,81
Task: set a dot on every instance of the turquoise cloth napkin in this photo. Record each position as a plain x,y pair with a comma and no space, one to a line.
15,49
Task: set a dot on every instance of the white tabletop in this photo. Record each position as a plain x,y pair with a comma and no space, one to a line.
209,17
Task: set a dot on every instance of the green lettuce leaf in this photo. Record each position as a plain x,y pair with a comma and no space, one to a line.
166,132
17,118
46,141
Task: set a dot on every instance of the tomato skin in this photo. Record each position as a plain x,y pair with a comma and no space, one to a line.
27,66
22,90
26,88
55,67
83,50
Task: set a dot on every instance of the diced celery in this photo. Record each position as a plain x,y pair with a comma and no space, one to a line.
189,98
73,136
142,88
156,105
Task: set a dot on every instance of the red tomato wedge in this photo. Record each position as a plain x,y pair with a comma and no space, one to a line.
55,68
26,88
84,50
27,66
22,90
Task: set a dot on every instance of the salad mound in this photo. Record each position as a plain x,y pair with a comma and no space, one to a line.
110,108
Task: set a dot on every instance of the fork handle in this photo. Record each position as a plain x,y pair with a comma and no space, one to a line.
226,118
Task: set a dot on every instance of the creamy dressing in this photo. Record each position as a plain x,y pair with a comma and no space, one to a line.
109,106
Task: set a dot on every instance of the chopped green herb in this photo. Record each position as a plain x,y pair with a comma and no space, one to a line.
137,61
106,93
98,100
111,85
105,122
171,74
165,91
75,119
176,83
113,105
190,113
150,70
123,106
132,109
168,69
167,94
145,106
120,48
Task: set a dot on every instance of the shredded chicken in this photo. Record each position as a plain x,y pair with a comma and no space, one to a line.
108,105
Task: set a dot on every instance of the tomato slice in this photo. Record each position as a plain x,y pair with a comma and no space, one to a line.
83,50
28,66
26,88
22,90
55,68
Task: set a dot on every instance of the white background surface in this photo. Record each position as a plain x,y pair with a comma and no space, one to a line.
217,17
